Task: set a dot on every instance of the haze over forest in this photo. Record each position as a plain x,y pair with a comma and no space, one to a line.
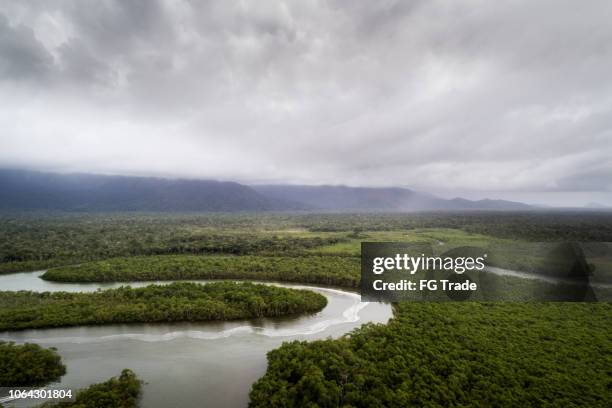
507,101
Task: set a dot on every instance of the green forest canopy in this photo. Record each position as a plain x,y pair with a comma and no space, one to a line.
452,354
118,392
28,364
32,241
328,270
155,303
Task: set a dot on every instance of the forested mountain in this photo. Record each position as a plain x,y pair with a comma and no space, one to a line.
378,199
31,190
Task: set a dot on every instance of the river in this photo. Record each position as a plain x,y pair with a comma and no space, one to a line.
185,364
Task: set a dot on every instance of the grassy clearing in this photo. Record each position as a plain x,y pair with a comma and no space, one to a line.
441,239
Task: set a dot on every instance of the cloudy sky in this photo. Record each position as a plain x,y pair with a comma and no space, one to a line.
509,99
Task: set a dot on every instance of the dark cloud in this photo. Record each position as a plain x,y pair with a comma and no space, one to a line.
22,56
449,97
81,65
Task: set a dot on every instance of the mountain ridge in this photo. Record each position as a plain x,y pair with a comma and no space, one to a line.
30,190
34,190
328,197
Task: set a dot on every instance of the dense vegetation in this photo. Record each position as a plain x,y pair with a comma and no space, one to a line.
430,354
452,354
532,225
118,392
155,303
28,365
37,241
31,242
329,270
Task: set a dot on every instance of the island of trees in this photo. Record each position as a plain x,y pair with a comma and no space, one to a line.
324,270
28,365
175,302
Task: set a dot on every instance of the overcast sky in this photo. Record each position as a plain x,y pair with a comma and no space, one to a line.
509,99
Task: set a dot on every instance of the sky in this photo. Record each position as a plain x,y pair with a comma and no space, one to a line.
500,99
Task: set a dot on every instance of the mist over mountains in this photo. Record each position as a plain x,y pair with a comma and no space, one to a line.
32,190
378,199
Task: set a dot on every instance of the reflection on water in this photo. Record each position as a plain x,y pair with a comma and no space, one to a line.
186,364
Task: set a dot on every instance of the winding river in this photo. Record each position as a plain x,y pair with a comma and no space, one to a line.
185,364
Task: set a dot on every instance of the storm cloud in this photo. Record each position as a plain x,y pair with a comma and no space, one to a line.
480,98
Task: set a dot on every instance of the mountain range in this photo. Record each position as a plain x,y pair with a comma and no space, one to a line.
32,190
378,199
